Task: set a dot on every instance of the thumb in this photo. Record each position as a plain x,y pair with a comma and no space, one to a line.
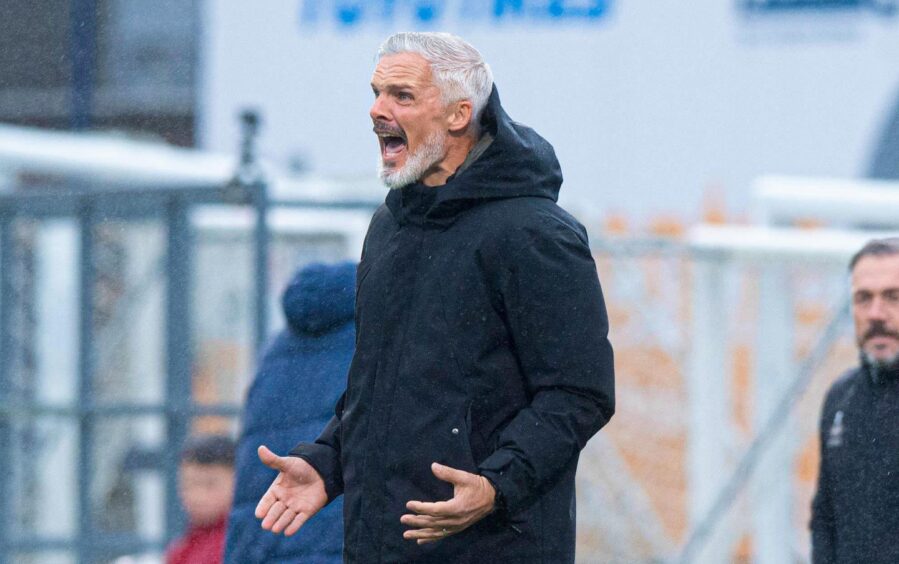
451,475
270,459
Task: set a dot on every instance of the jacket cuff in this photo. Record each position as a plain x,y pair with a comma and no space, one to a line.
325,461
509,504
499,500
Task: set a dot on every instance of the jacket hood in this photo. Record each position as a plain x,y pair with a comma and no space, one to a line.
320,297
518,162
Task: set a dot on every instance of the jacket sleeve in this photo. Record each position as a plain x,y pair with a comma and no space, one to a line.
822,522
324,453
558,324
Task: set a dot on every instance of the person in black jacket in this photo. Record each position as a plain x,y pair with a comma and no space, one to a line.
855,512
482,362
301,375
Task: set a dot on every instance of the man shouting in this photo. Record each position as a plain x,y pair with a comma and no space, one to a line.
482,363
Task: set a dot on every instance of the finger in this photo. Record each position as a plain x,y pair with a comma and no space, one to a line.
295,525
451,475
421,521
436,509
265,504
272,516
270,459
283,521
430,535
427,522
427,541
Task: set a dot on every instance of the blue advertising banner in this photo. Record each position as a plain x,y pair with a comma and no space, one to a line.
885,7
425,13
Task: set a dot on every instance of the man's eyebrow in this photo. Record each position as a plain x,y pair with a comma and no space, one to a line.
394,87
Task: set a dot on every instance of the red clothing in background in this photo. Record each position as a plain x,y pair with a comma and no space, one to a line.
200,545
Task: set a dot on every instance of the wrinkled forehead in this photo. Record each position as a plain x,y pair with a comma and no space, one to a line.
876,273
410,69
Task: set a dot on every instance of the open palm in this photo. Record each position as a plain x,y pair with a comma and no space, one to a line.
297,493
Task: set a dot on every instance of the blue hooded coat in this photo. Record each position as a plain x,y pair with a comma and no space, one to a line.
301,375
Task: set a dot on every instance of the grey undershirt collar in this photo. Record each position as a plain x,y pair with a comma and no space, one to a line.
476,151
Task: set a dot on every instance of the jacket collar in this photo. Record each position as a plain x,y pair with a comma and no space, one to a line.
879,375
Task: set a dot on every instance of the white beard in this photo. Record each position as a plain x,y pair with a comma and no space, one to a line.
882,363
432,151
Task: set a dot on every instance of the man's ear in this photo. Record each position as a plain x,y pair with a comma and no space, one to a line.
460,116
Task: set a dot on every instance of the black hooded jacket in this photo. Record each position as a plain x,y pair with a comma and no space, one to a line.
855,513
481,344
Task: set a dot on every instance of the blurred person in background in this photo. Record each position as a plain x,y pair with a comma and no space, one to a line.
205,486
299,380
482,362
855,512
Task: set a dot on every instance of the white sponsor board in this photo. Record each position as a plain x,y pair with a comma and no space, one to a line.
650,105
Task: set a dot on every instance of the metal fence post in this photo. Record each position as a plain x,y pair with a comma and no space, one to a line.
179,353
708,392
86,363
6,502
772,498
83,17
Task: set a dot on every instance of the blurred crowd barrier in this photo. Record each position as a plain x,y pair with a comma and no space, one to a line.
635,489
638,479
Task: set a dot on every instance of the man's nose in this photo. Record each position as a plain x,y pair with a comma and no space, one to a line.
378,111
877,309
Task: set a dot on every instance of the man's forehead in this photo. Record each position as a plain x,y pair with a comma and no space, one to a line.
876,271
409,68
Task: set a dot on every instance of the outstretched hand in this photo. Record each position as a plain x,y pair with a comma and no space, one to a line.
473,499
297,494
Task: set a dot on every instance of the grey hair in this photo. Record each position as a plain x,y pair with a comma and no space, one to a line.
876,247
458,68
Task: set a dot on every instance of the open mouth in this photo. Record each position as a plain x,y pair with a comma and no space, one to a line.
393,143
